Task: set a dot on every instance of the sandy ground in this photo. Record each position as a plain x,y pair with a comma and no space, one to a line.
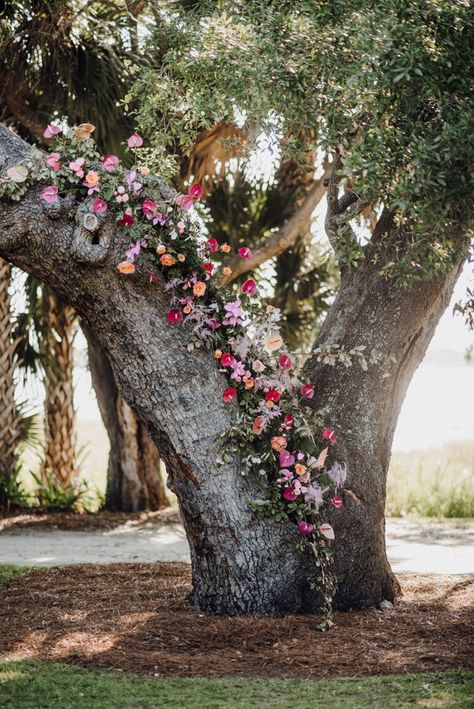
420,546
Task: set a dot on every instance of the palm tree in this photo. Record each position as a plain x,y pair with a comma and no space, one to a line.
10,423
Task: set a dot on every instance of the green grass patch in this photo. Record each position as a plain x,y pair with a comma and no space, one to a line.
432,483
33,685
8,571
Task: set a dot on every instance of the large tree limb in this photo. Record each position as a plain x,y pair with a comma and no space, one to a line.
287,235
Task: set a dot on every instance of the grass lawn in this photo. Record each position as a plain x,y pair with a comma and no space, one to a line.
34,685
7,571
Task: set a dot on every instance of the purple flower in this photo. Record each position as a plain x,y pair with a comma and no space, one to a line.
134,251
234,313
314,495
338,474
286,459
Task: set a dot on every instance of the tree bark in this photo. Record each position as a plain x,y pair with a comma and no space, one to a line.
135,470
9,419
241,563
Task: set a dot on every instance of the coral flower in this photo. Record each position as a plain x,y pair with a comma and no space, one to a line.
289,494
226,248
279,443
110,162
272,395
54,161
91,179
212,245
245,253
249,287
218,354
83,131
160,249
181,258
329,435
187,309
227,360
285,362
126,267
199,289
99,206
135,141
300,469
174,316
51,130
167,260
307,391
306,528
229,394
337,502
249,383
258,425
50,194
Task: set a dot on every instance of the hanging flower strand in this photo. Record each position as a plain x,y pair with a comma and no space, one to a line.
275,432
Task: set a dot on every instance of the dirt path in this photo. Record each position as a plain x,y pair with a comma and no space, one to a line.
427,547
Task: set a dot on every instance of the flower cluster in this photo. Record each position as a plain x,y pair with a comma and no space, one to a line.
277,433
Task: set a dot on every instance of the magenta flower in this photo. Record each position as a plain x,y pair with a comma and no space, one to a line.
234,313
249,287
135,141
289,494
50,194
245,253
174,316
337,502
99,206
185,201
329,435
286,459
54,161
51,130
285,362
307,391
149,208
110,162
212,245
306,528
195,191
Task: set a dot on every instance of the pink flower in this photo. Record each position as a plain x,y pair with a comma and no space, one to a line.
54,161
149,208
329,435
135,141
127,219
286,460
110,162
245,253
288,421
99,206
195,191
289,494
51,130
249,287
337,502
50,194
134,251
227,360
174,316
306,528
229,394
184,201
307,391
212,245
285,362
234,313
76,167
208,267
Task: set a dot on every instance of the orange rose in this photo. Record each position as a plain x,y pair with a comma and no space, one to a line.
187,309
181,258
92,178
218,354
227,271
249,383
300,469
199,289
84,130
126,267
258,424
279,443
225,248
160,249
167,260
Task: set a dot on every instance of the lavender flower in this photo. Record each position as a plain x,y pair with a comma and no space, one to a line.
338,474
314,495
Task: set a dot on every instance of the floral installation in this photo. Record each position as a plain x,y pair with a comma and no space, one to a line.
277,434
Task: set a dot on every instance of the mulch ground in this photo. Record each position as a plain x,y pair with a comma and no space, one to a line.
74,522
135,617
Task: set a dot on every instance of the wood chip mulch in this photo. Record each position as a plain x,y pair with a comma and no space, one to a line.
135,617
74,522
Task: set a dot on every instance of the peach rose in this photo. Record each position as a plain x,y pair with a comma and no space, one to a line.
181,258
126,267
227,271
160,249
199,289
84,130
225,248
249,383
258,424
92,178
167,260
279,443
187,309
218,354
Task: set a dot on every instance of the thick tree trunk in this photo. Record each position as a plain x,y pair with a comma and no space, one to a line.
363,408
135,470
241,563
59,419
9,420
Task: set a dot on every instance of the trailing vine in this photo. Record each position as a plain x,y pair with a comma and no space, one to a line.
278,436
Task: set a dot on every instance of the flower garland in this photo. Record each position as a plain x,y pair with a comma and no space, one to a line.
274,431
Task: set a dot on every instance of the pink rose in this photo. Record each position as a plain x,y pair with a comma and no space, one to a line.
50,194
110,162
54,161
51,130
99,206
